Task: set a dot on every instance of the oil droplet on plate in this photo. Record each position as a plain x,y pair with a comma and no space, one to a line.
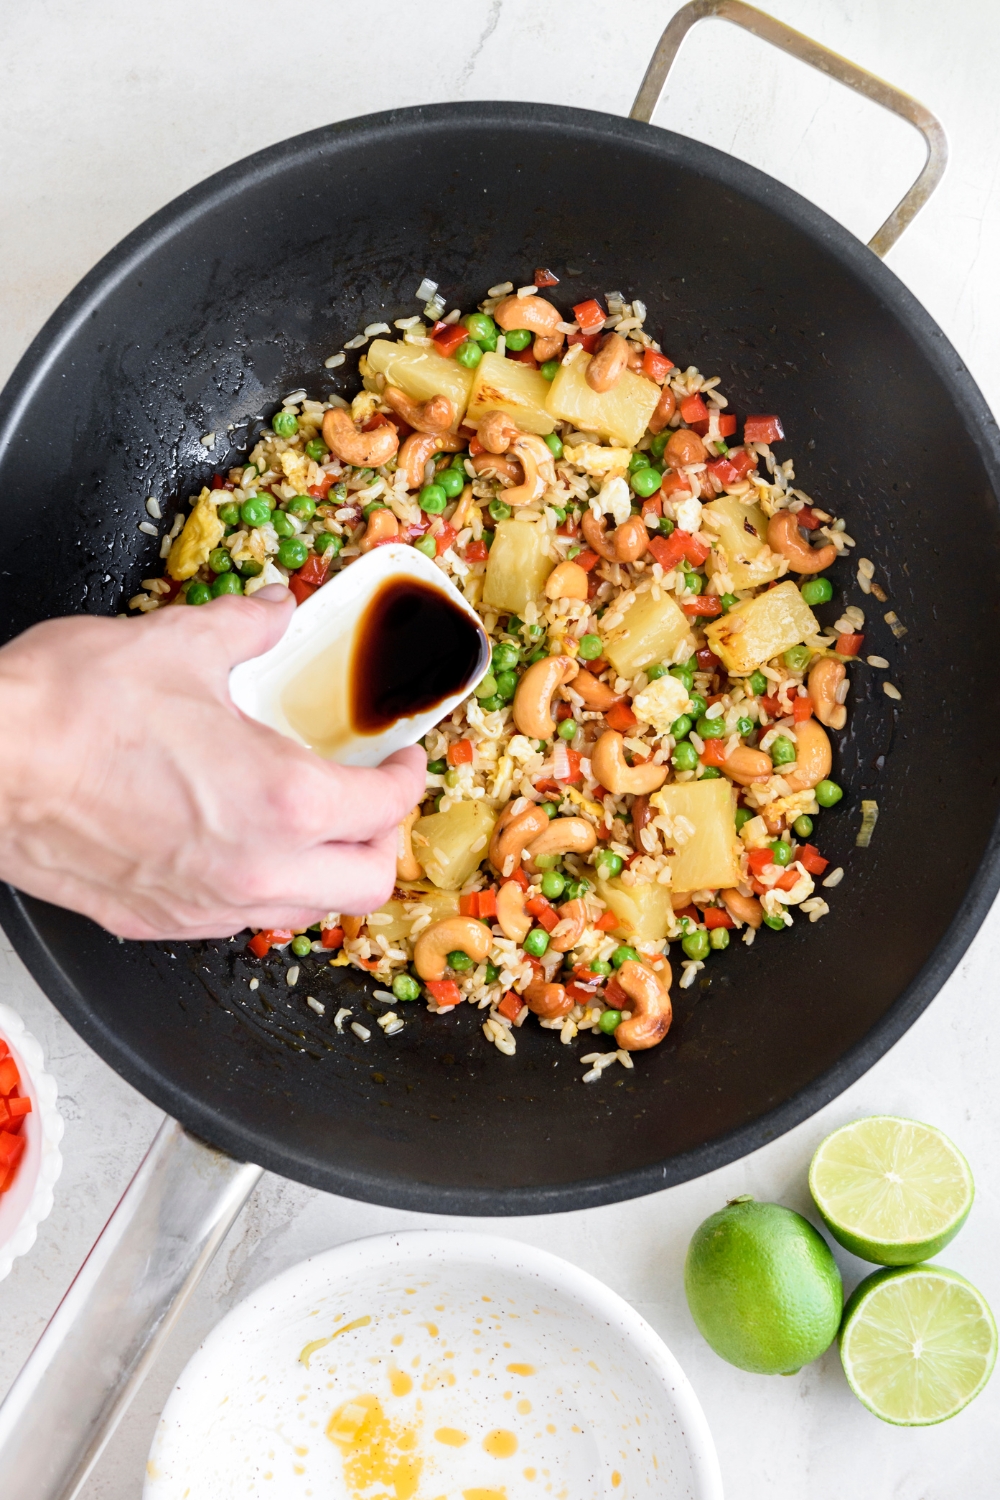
451,1437
500,1443
399,1382
524,1407
397,1339
516,1369
530,1473
309,1350
432,1329
375,1450
616,1479
484,1495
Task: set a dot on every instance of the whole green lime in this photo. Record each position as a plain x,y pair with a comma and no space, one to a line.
763,1287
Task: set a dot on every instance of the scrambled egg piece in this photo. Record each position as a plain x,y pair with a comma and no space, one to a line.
659,704
295,466
202,531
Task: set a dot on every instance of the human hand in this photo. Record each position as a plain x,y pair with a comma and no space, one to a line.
132,790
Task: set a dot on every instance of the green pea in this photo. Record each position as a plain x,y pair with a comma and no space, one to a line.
817,591
499,511
623,954
432,499
695,583
301,945
684,676
712,729
327,542
782,751
685,756
427,545
758,684
487,687
600,966
459,961
285,424
659,442
292,553
656,671
567,729
317,450
609,1022
803,826
590,647
781,852
198,593
576,888
303,506
219,560
479,326
609,865
469,354
681,728
488,539
536,942
711,773
744,727
549,369
549,809
776,924
559,511
638,461
452,776
490,705
227,583
452,482
518,338
554,443
538,655
666,526
492,973
743,815
250,569
255,511
506,685
696,944
437,801
553,885
282,525
437,767
405,988
828,793
229,513
796,658
505,656
727,601
719,937
645,482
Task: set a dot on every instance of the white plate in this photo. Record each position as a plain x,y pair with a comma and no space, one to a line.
29,1199
458,1336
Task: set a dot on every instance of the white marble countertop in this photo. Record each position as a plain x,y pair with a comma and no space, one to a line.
111,109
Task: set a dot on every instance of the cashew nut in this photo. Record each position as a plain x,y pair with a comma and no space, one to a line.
495,466
533,313
635,360
745,766
435,415
665,408
364,450
547,1000
593,528
570,928
567,581
532,707
684,447
813,756
497,431
606,367
464,934
784,536
742,908
651,1008
563,836
539,469
352,926
595,693
608,763
513,832
545,348
826,676
408,867
418,448
625,544
382,527
511,915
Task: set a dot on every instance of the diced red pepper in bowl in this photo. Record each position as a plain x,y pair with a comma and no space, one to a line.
544,277
590,315
763,430
449,338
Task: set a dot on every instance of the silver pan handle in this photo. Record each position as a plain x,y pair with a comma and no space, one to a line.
831,63
108,1329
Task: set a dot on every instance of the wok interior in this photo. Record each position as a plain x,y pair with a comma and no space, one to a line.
234,297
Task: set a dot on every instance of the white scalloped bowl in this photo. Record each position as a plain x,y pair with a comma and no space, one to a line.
29,1199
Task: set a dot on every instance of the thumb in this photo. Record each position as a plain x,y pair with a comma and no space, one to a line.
243,627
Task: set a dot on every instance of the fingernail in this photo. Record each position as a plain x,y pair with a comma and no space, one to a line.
273,593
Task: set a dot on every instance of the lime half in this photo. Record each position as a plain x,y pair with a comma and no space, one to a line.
917,1344
892,1191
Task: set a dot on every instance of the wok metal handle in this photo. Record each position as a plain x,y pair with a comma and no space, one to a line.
796,45
109,1327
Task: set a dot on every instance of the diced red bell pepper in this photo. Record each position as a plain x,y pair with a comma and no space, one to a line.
801,709
523,357
653,507
438,326
259,945
579,994
519,878
673,483
606,921
569,527
444,538
811,859
689,911
510,1006
475,447
598,665
573,772
668,550
585,974
724,471
477,552
544,277
727,426
487,903
299,588
547,785
563,711
11,1146
614,996
315,569
707,605
460,753
717,916
444,992
707,660
586,559
588,341
448,340
21,1106
743,462
619,716
808,518
321,490
787,879
590,315
4,1049
218,483
693,409
543,912
763,430
9,1076
848,645
771,706
332,937
714,753
656,366
759,859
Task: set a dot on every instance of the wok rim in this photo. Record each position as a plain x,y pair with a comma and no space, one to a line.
239,1140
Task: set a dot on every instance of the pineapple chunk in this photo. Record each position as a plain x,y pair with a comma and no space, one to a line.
442,904
501,384
761,628
622,413
741,530
518,566
652,630
202,531
421,373
643,910
709,860
451,845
